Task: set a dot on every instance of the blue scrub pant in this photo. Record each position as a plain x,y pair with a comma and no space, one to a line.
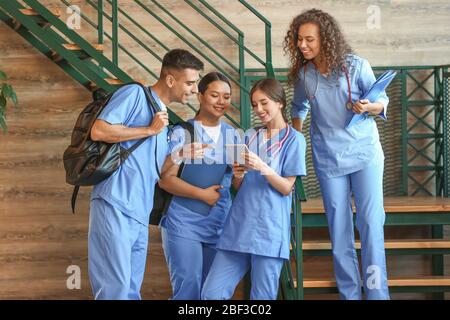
117,251
367,188
189,262
229,268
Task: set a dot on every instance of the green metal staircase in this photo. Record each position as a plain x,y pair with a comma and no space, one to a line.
92,68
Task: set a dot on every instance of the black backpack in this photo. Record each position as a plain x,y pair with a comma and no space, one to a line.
88,162
162,198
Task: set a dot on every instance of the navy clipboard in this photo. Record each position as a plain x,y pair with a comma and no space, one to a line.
202,176
374,92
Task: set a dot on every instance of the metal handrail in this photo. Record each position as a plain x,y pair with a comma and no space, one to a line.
84,17
217,14
200,52
91,23
203,42
244,101
56,41
131,35
241,83
268,36
133,57
231,25
159,42
242,48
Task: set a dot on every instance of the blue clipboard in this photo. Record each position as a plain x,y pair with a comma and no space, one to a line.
202,176
374,92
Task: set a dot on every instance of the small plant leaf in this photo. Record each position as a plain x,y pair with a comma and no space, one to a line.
6,90
14,98
3,76
3,124
2,102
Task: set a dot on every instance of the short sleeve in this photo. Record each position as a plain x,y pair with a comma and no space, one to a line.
176,139
300,103
294,162
366,80
124,106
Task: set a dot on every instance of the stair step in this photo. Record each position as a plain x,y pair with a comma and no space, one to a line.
114,81
425,281
32,12
416,204
388,244
40,19
76,47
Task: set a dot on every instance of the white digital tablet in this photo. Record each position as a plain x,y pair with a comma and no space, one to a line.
234,153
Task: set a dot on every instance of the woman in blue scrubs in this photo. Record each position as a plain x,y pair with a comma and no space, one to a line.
329,81
189,236
257,230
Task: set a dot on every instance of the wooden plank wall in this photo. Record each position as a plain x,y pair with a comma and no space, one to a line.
39,238
411,32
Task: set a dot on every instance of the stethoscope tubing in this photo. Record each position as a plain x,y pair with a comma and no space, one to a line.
311,97
277,143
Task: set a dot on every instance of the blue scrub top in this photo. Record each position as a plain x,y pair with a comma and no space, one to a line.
131,187
259,219
336,150
182,221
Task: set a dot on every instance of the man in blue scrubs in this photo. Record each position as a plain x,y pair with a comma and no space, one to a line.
120,205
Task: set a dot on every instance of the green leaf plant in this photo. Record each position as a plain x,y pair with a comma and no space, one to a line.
6,93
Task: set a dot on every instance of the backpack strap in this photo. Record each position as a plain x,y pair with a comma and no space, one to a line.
74,197
125,153
155,108
190,128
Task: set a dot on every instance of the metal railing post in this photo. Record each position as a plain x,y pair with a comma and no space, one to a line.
405,179
115,32
100,22
269,67
245,112
446,129
268,37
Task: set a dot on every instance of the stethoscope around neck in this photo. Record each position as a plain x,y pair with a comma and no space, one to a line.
348,105
278,144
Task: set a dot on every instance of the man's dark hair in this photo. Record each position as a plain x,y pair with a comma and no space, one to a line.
180,59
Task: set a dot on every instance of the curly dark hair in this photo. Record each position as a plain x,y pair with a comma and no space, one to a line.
334,47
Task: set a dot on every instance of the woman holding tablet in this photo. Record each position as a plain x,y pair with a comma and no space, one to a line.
189,233
256,233
330,81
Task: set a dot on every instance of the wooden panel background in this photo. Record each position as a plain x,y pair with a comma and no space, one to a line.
39,238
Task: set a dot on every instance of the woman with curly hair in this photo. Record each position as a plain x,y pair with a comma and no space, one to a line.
329,80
